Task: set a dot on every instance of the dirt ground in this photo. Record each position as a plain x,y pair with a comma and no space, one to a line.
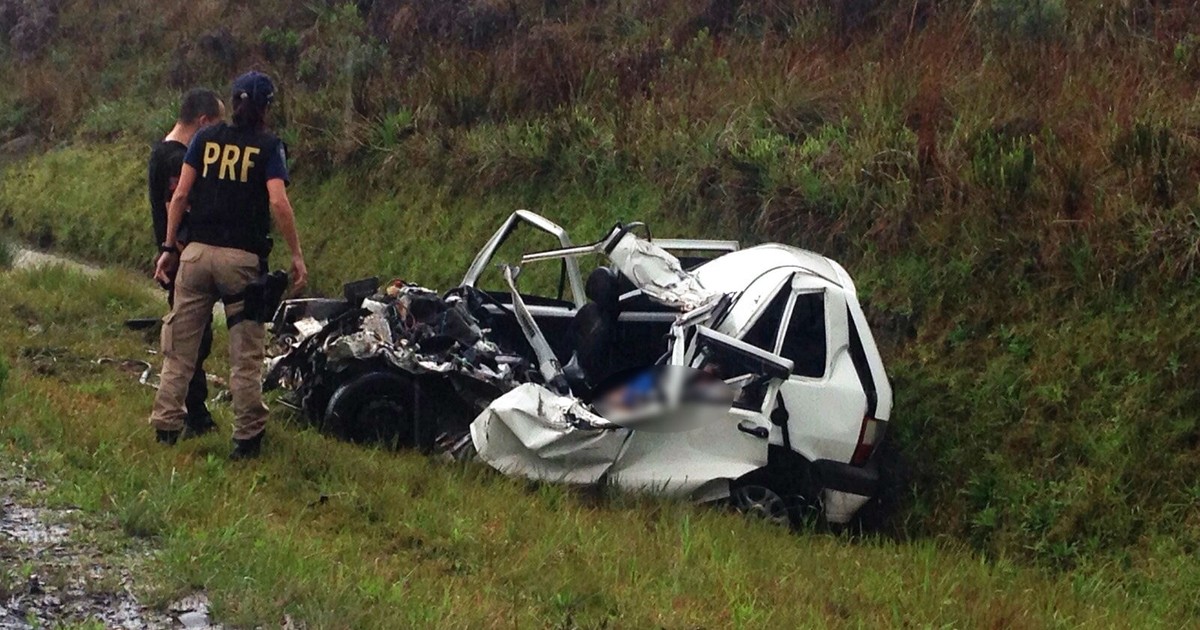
54,571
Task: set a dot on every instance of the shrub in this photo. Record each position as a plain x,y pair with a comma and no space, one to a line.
1032,19
279,45
28,25
14,118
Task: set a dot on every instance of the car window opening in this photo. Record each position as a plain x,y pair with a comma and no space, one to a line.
763,332
804,340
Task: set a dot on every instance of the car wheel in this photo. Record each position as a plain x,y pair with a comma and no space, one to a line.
758,501
375,407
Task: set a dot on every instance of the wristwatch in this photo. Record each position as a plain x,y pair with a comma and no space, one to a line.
168,249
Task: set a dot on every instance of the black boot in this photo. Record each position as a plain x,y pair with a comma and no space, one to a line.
247,449
167,437
195,426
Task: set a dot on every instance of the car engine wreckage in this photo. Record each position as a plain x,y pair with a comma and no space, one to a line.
751,377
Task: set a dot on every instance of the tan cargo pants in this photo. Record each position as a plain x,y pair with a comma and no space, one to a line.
206,273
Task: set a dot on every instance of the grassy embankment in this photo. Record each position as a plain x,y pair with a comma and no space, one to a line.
344,536
1015,187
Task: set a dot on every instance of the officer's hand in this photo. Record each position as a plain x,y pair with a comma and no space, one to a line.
299,274
164,270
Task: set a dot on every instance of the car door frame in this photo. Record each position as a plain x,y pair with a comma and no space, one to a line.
484,257
540,312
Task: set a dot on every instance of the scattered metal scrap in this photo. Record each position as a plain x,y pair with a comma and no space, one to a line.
143,369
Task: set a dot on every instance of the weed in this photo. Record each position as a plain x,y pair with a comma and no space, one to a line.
141,519
392,129
1004,162
279,45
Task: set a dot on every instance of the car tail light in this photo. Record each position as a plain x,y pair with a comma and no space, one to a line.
869,436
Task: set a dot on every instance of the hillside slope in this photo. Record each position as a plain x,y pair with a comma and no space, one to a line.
1014,184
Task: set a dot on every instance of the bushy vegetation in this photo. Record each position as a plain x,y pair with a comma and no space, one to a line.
1013,183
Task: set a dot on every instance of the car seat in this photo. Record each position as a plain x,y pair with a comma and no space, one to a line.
594,328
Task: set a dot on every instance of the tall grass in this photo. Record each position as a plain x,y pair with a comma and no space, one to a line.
1012,183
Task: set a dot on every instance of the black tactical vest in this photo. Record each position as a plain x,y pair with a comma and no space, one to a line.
230,204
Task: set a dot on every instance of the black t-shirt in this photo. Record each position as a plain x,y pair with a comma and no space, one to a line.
230,206
166,160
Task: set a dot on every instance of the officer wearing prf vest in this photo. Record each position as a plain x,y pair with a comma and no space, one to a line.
234,178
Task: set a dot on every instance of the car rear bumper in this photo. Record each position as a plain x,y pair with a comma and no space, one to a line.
846,488
843,477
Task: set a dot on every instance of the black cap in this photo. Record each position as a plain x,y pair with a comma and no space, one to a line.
255,86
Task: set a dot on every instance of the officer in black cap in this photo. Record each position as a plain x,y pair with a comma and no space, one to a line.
234,179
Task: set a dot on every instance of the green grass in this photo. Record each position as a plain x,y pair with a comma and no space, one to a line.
344,536
89,200
1012,184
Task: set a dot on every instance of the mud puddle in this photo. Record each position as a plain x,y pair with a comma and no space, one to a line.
52,575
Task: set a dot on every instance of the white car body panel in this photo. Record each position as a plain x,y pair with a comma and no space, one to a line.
827,413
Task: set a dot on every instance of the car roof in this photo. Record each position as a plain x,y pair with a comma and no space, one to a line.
734,271
756,274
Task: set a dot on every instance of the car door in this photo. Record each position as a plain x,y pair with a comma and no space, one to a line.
719,444
823,398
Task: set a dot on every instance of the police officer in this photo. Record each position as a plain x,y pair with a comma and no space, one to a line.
199,109
234,179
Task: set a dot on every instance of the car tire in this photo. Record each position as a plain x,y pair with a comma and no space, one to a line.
760,502
762,494
375,407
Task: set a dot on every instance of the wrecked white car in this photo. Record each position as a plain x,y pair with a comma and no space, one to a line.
685,368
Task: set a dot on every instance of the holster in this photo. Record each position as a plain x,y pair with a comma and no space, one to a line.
260,299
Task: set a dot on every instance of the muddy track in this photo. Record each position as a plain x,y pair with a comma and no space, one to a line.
25,258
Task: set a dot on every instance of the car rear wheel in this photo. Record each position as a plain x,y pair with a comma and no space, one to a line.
780,497
761,502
